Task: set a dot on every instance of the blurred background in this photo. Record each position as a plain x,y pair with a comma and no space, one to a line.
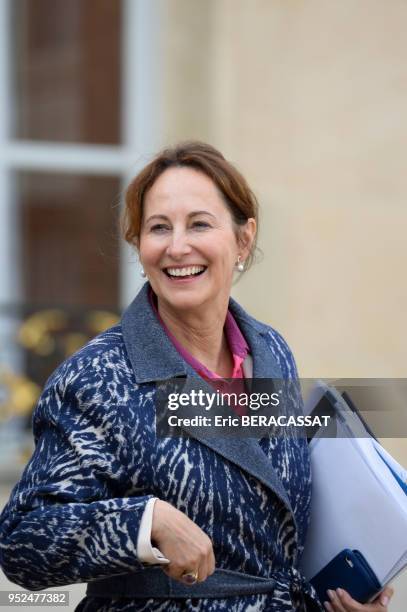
308,99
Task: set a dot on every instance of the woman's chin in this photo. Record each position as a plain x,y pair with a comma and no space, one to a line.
186,300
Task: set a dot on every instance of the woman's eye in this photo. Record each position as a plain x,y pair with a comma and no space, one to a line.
159,228
200,224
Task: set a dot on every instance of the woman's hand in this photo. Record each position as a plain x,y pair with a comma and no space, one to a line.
186,546
341,601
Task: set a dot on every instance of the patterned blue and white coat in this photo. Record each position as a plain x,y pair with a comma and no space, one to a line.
75,514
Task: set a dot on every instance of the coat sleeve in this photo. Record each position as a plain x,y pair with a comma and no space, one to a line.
68,519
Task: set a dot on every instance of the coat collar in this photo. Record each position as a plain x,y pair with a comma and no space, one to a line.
154,358
152,354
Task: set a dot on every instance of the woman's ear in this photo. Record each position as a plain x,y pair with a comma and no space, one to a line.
247,234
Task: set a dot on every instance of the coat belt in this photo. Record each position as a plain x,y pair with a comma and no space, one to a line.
152,582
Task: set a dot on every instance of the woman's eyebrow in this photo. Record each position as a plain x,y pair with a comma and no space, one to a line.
157,217
201,212
191,214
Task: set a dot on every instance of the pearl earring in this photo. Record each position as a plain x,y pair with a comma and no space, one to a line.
142,273
239,264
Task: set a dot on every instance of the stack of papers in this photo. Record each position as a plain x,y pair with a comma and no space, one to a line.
359,500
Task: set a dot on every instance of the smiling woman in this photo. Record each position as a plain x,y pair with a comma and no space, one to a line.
175,524
189,253
229,182
192,218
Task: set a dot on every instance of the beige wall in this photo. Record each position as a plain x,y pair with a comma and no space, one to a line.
309,99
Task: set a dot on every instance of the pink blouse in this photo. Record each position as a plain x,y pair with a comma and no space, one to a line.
238,347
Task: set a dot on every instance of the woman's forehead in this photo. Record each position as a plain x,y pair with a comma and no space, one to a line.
183,189
181,179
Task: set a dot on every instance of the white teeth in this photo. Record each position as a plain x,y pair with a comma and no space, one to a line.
185,271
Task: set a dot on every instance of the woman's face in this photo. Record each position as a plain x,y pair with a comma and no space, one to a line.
188,245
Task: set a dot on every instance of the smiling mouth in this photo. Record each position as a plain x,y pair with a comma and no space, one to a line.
187,272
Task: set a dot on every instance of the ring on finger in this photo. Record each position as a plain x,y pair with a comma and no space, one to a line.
190,577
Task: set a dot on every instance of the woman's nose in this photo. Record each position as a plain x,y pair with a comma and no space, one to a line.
179,245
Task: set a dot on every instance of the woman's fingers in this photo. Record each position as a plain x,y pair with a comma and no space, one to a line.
385,596
341,601
334,604
187,547
210,561
205,554
194,560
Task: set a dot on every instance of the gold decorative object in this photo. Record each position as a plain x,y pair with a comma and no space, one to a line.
100,320
20,395
35,332
73,342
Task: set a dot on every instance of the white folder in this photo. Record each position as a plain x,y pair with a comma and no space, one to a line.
357,500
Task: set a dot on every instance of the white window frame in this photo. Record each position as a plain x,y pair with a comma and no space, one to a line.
141,136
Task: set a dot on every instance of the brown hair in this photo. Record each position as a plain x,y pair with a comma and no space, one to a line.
236,193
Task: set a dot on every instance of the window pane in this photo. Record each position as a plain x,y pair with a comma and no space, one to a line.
67,70
69,242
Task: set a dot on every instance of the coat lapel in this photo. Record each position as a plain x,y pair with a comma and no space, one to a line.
154,358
